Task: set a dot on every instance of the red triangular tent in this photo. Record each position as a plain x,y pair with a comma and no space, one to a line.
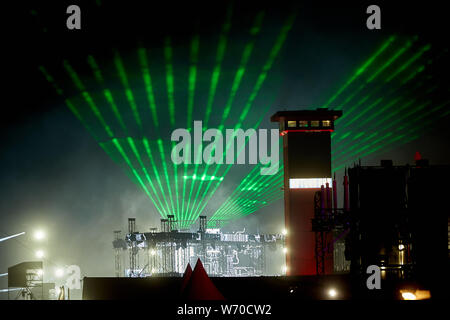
417,156
186,277
200,286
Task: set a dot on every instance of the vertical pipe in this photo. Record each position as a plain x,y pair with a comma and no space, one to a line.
322,200
328,198
346,204
335,193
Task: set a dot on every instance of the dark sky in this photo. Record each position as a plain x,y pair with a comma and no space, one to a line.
55,176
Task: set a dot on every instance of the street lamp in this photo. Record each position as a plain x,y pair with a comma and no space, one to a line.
39,235
332,293
39,254
59,272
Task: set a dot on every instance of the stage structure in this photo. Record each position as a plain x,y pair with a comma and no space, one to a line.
166,253
27,276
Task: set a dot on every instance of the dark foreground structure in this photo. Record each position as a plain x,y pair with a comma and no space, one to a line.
240,288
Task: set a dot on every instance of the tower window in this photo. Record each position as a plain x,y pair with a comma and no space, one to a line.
315,123
292,124
303,123
326,123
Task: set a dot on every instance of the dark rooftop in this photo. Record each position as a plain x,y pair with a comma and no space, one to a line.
318,114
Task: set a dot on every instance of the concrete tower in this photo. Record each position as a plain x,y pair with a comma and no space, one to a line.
307,166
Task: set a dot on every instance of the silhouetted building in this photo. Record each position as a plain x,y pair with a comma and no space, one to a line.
399,221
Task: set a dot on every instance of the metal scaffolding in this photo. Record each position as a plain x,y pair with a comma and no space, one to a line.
167,253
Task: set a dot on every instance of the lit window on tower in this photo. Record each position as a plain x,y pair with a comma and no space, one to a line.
292,124
326,123
315,123
303,123
308,183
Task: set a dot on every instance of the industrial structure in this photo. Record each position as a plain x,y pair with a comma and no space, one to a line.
28,278
392,218
167,252
307,166
399,222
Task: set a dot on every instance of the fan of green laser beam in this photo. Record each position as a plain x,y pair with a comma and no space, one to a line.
392,75
235,86
260,80
394,110
144,169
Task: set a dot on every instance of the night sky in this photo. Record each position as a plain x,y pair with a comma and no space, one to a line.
54,174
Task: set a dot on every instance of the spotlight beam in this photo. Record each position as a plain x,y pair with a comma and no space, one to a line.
96,111
261,78
142,53
234,88
363,68
169,79
215,75
12,236
128,92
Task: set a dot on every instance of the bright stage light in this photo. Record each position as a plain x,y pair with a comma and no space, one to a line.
153,252
284,232
419,294
284,269
59,272
39,254
401,247
39,235
285,250
332,293
407,295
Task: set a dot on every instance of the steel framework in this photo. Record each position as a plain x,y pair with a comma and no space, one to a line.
167,253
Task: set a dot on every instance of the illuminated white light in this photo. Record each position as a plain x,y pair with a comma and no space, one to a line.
39,235
308,183
401,247
332,293
13,289
213,230
13,236
59,272
284,269
284,232
285,250
408,296
153,252
153,270
39,254
40,272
